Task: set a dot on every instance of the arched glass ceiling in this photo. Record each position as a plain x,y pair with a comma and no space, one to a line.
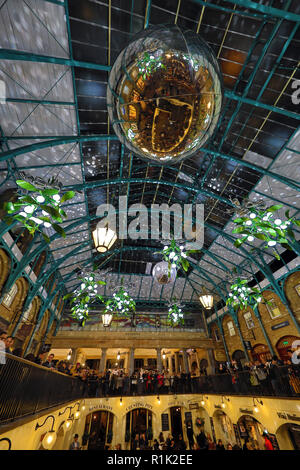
55,60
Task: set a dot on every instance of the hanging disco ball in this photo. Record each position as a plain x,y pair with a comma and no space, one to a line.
164,94
162,274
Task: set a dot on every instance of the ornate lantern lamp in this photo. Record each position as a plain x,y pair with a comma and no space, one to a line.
104,238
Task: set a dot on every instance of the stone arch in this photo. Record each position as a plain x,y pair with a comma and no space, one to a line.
251,427
5,265
223,427
288,436
232,341
13,310
28,321
292,292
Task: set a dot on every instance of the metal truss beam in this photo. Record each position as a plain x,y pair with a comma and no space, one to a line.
11,54
267,10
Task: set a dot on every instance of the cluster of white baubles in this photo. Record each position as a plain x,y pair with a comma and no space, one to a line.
173,257
277,222
29,210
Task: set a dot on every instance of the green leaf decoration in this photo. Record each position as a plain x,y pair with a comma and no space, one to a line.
52,211
67,196
26,185
45,237
49,192
274,208
59,230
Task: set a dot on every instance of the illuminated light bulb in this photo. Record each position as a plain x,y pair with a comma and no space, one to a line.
77,414
83,408
202,402
277,221
29,209
256,409
40,199
223,405
271,243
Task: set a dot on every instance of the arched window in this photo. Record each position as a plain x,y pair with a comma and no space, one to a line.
231,328
9,297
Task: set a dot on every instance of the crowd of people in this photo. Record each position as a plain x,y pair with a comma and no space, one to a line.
201,441
272,377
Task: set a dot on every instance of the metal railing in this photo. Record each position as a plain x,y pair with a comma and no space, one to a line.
27,388
284,385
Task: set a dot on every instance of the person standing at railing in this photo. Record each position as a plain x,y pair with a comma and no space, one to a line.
49,362
75,445
2,348
9,342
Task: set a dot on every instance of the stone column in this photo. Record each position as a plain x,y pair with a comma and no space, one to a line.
74,355
159,363
211,361
176,362
170,365
131,361
102,360
126,361
185,361
197,359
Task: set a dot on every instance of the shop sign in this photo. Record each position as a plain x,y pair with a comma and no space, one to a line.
102,407
280,325
139,405
193,406
245,410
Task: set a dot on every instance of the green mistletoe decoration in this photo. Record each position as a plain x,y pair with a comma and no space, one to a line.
242,296
176,256
175,314
264,225
38,209
120,304
84,296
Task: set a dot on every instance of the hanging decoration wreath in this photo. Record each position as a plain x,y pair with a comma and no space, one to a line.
264,225
176,256
121,303
242,296
38,209
175,314
84,296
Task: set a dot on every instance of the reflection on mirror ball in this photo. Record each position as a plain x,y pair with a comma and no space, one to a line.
162,274
164,94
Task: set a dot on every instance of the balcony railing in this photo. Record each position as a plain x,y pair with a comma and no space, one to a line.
27,388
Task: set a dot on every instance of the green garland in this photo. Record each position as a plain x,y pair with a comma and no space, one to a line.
38,209
263,225
242,296
83,297
120,304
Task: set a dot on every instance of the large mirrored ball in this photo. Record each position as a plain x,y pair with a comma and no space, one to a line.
164,94
163,274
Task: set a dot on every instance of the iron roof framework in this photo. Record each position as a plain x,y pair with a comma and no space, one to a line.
55,60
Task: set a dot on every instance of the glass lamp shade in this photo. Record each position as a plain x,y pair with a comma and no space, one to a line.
49,439
106,319
68,424
207,301
104,238
162,275
164,94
